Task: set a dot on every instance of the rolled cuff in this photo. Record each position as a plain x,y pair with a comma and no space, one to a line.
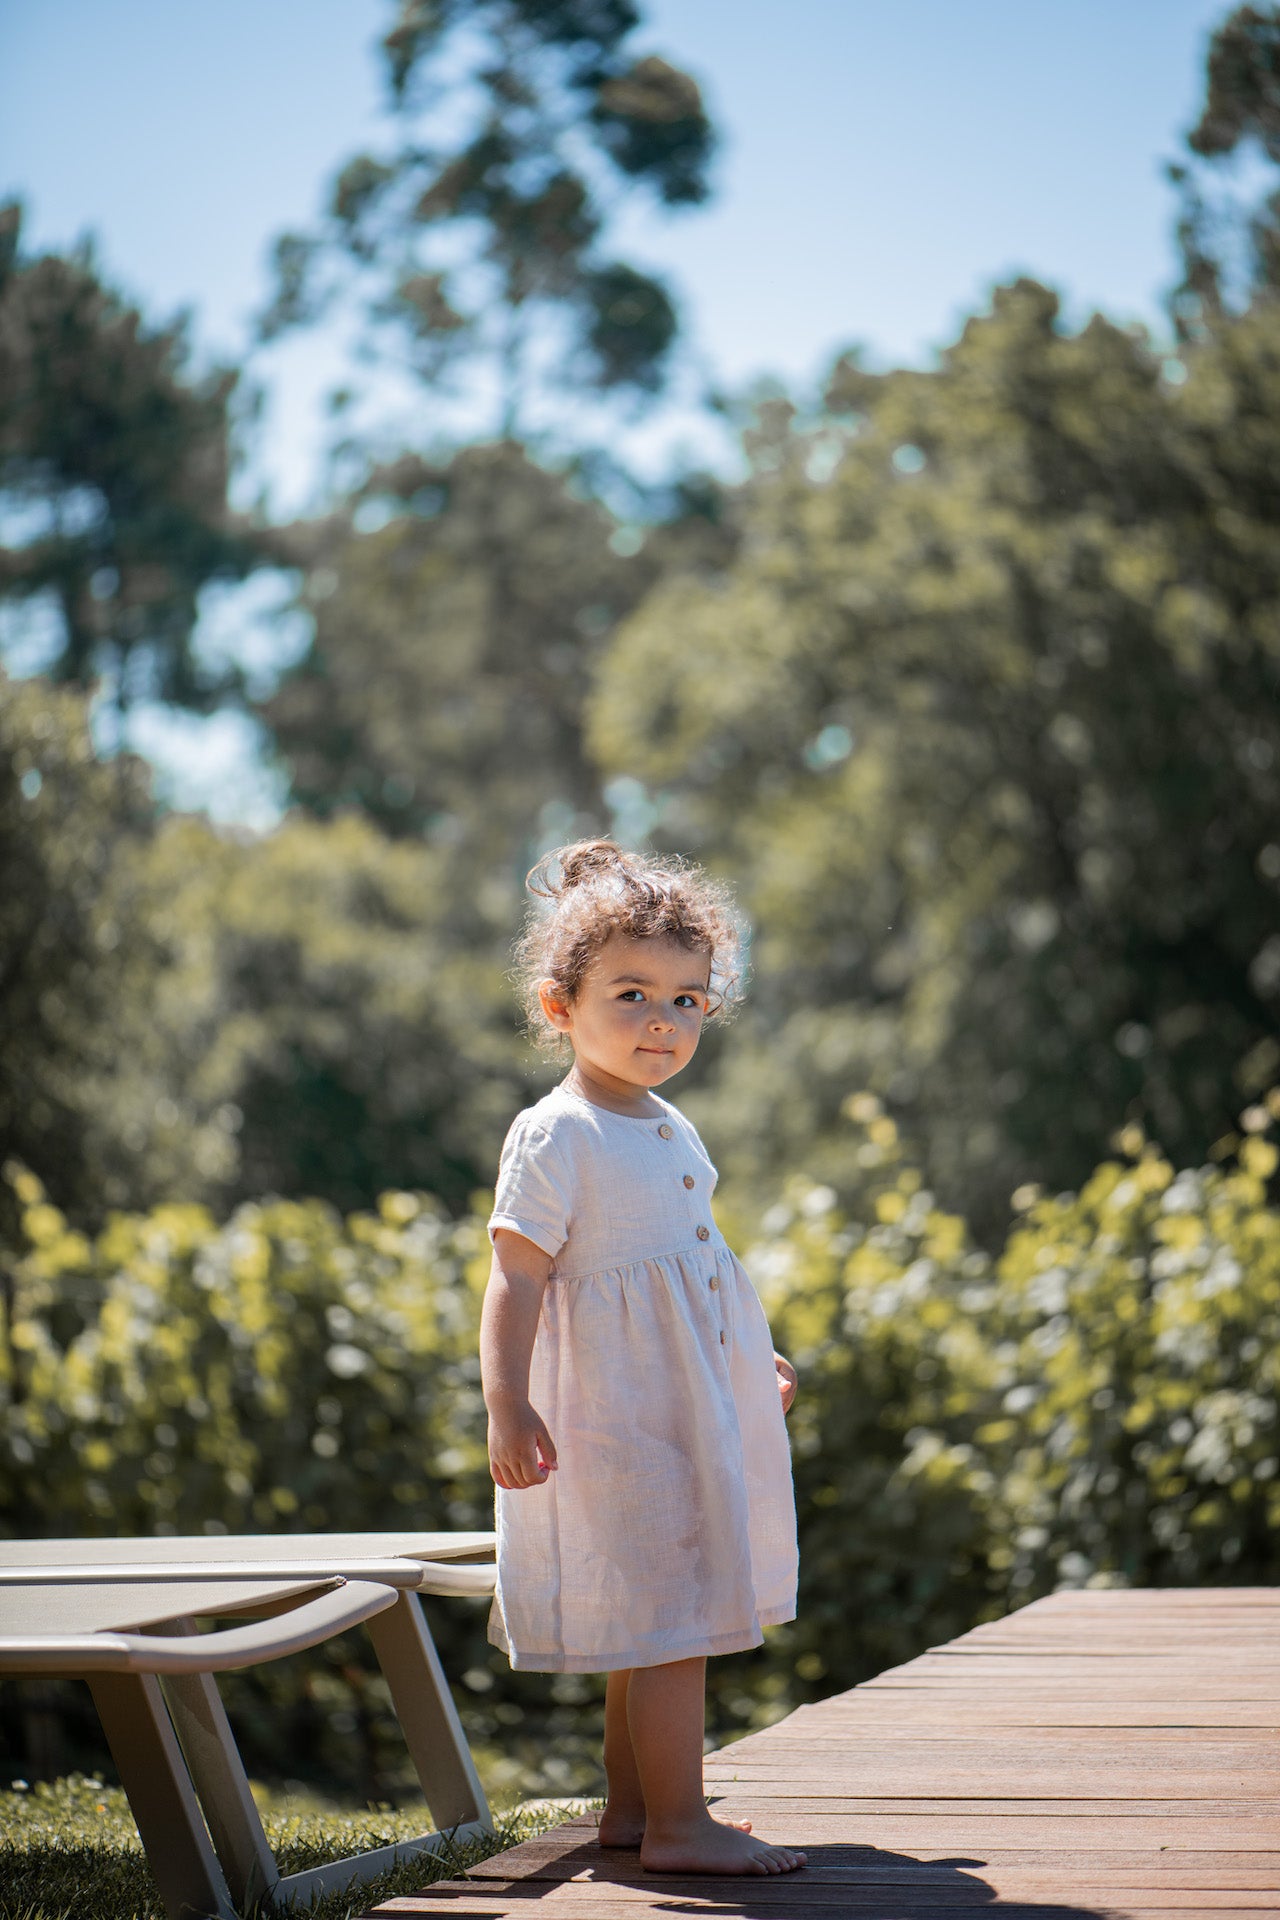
545,1241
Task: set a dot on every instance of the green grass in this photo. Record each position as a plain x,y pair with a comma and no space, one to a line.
69,1851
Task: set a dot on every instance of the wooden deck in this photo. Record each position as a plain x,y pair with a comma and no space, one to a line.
1095,1754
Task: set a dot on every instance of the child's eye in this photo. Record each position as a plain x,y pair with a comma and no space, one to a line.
686,1000
631,993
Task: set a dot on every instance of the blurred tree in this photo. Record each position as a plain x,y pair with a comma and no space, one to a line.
524,124
1230,243
443,691
441,699
322,1000
58,964
114,462
189,1013
458,602
985,717
86,1094
453,650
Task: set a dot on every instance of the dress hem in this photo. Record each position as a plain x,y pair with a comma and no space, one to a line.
707,1647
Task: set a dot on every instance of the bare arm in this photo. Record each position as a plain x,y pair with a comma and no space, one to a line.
521,1451
788,1379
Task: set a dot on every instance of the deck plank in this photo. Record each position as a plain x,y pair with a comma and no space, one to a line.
1095,1755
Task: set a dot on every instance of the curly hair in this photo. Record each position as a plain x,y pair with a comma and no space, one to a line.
589,891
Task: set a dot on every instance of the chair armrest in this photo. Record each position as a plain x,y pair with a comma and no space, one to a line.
451,1576
345,1605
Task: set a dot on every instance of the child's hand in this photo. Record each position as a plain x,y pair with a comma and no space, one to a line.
788,1380
521,1451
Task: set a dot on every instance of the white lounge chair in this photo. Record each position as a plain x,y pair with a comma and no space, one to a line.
447,1563
121,1613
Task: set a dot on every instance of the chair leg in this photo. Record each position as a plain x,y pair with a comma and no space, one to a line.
424,1706
218,1775
146,1752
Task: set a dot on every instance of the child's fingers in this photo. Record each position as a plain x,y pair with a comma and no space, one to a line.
515,1471
521,1451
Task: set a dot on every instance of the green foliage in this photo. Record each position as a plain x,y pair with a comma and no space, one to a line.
70,1848
59,963
443,690
459,610
1138,1408
285,1371
893,1496
282,1370
323,1003
85,1088
189,1012
1230,246
114,461
1097,1403
491,248
982,713
631,325
442,697
1242,98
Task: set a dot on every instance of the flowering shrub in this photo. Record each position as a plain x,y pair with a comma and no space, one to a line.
1097,1404
288,1369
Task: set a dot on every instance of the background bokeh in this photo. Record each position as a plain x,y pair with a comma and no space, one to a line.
469,523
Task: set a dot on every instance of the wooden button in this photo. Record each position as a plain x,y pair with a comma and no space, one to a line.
704,1233
722,1336
715,1286
689,1180
664,1131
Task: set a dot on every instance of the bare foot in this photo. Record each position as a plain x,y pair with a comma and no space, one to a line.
716,1846
620,1827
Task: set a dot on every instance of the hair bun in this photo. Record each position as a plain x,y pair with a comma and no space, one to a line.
569,867
593,889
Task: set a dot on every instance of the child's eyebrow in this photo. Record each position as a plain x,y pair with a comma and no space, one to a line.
639,980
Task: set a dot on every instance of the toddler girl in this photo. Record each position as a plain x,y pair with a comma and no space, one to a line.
645,1516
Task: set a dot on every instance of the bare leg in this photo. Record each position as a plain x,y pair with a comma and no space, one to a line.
622,1821
665,1718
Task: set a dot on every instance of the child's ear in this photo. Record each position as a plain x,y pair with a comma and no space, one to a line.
555,1007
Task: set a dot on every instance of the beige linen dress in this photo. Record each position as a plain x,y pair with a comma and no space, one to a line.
668,1529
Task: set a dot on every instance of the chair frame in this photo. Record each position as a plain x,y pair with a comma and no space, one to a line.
170,1738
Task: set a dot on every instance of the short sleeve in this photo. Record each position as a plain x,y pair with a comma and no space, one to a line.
533,1195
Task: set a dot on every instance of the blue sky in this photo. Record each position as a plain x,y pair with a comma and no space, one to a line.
882,166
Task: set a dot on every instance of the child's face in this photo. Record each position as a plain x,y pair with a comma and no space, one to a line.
638,1015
